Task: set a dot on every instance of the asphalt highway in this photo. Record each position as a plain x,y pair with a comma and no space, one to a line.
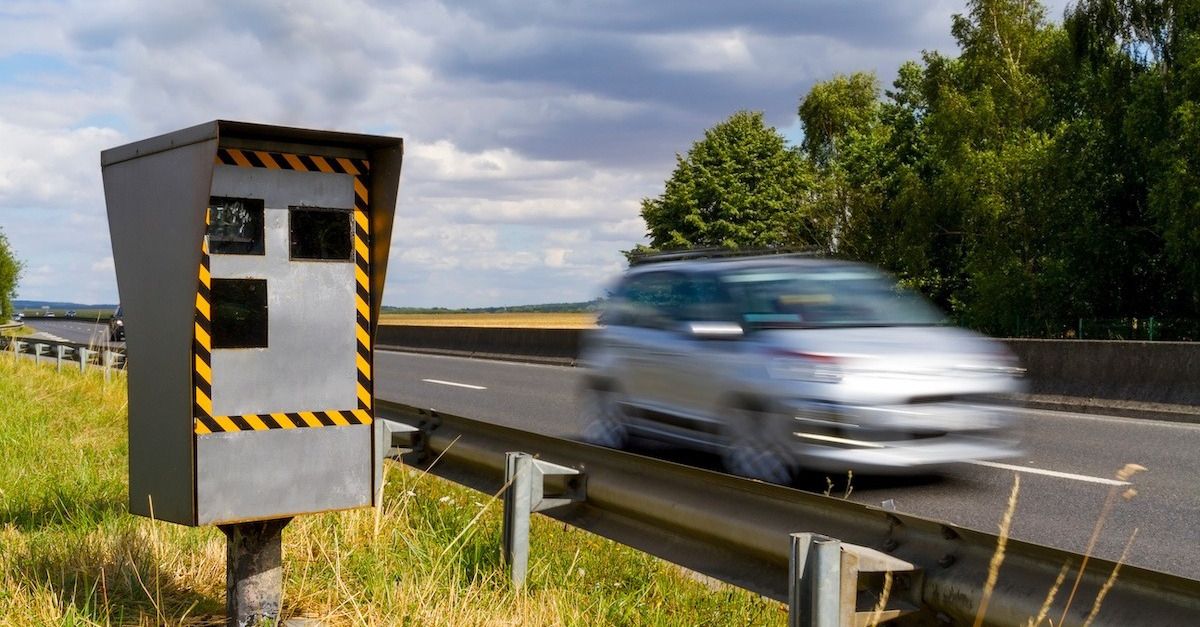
1066,475
75,330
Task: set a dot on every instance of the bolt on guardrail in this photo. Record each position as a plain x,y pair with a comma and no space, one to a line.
525,477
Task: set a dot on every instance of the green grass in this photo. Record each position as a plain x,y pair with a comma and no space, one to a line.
70,555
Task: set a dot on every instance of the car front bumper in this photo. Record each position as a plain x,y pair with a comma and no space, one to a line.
899,439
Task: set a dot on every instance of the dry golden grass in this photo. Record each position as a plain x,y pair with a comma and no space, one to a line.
504,320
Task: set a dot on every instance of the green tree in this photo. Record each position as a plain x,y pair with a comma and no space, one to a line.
10,272
844,140
836,108
740,186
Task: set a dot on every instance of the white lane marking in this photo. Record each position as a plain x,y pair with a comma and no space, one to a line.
457,385
1051,473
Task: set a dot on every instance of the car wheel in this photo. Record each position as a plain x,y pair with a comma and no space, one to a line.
752,450
603,419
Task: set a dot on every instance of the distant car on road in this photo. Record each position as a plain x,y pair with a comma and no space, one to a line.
18,316
71,313
116,326
778,363
49,314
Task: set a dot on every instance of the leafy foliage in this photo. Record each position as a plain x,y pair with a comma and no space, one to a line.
10,273
1049,172
739,186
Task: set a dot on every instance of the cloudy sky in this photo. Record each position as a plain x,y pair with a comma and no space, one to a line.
533,128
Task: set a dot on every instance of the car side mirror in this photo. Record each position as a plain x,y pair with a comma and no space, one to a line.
714,330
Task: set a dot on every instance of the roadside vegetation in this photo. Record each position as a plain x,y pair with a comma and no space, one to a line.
70,555
10,274
1041,182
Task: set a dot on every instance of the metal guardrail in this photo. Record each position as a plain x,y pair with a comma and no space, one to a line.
741,532
82,353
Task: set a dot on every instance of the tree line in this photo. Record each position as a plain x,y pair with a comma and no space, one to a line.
1048,172
10,273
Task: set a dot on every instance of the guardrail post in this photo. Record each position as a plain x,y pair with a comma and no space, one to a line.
59,350
37,352
253,572
525,478
18,346
107,359
815,574
82,353
823,583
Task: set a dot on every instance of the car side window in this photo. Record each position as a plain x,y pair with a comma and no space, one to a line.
648,300
705,300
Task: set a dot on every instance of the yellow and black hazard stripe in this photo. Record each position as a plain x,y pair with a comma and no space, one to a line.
206,422
202,344
362,296
281,420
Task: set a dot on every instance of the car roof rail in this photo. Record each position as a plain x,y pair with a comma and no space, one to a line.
717,253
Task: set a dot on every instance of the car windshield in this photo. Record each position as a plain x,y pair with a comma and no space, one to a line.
832,296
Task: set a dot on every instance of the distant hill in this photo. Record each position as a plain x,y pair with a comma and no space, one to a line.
579,307
38,304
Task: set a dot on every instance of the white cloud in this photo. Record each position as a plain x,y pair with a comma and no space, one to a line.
41,167
532,129
103,265
714,52
556,257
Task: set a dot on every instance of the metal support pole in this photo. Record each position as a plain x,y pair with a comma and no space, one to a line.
515,541
83,358
814,586
525,477
37,352
107,358
60,349
254,572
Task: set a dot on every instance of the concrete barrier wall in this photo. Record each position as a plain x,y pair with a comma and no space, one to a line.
540,345
1151,372
1145,372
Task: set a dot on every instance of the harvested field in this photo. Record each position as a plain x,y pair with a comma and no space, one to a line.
504,320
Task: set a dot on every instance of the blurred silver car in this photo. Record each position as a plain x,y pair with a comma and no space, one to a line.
778,363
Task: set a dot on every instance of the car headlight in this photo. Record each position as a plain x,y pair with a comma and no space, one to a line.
805,367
